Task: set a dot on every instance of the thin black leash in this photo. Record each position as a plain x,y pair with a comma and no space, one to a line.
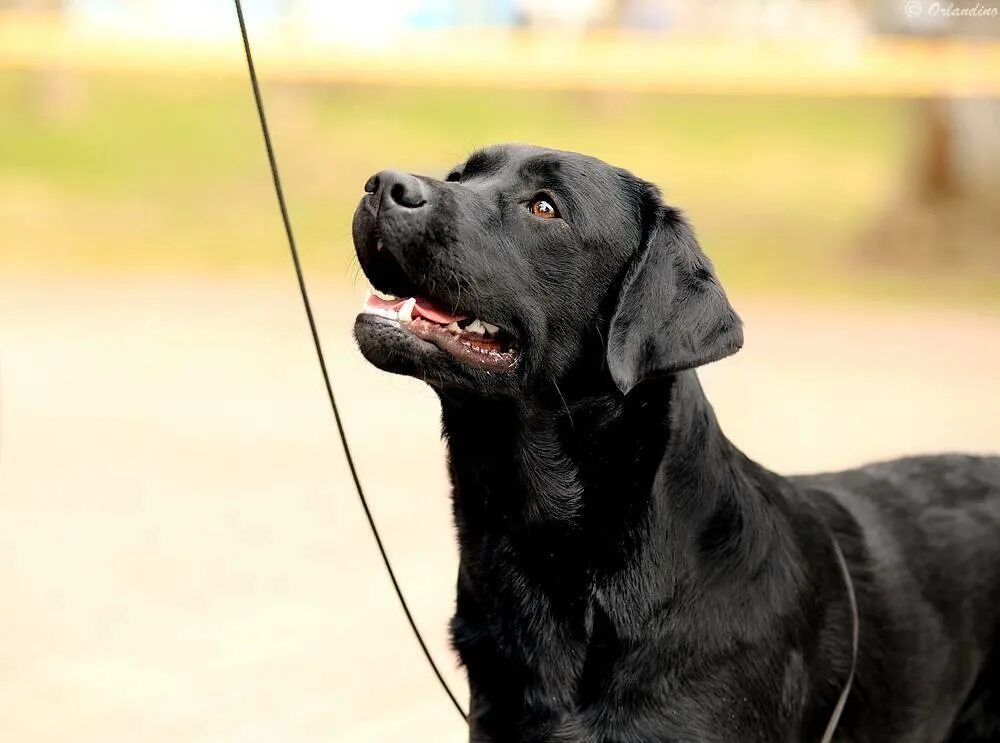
322,361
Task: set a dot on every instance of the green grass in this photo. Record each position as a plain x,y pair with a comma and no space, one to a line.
167,174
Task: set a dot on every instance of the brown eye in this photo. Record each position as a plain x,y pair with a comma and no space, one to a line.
543,209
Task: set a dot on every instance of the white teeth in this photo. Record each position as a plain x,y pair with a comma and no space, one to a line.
380,312
385,312
406,311
405,314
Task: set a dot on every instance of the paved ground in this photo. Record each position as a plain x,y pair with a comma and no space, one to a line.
181,558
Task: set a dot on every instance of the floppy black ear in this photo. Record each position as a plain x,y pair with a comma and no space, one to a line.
672,313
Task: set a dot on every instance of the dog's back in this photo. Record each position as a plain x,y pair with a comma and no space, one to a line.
925,556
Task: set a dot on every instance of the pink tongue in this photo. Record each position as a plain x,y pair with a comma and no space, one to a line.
423,309
427,310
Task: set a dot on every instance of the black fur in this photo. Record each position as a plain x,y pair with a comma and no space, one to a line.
626,573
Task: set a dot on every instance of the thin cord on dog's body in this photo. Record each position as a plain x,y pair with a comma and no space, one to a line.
322,361
279,193
838,710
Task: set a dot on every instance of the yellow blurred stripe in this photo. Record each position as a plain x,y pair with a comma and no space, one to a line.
539,60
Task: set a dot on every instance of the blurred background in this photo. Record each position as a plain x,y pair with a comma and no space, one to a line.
181,555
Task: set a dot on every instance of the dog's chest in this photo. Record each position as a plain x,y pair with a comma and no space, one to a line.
556,661
578,671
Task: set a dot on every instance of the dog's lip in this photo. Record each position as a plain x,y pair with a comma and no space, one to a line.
488,355
478,344
382,302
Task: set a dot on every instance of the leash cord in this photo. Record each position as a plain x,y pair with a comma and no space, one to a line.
279,192
838,710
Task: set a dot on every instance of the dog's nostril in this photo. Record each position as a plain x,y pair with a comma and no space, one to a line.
407,193
398,193
392,188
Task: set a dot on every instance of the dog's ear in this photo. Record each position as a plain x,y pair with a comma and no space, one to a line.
672,313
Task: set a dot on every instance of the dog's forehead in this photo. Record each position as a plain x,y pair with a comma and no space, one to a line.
521,162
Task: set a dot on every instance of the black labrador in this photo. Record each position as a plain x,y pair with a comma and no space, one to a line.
626,573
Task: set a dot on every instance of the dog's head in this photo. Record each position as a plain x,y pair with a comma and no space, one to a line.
526,264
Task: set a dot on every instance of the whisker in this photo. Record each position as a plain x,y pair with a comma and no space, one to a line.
565,404
458,287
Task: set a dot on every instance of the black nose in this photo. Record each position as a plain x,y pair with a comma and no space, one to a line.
392,188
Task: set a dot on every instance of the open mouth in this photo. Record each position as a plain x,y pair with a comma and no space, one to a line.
468,339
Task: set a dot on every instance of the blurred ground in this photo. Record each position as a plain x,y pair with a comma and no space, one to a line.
182,558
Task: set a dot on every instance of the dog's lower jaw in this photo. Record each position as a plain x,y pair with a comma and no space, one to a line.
558,585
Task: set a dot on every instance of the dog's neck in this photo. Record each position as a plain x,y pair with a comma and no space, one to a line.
666,492
554,576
